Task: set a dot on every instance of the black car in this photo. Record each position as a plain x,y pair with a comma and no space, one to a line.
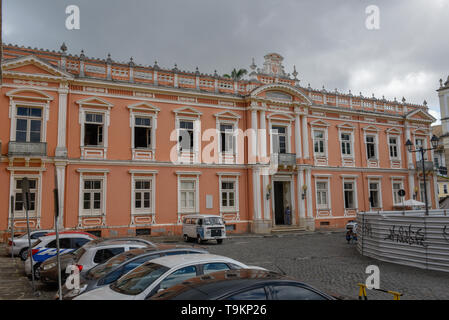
242,284
109,271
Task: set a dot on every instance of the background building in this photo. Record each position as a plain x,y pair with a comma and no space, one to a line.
133,148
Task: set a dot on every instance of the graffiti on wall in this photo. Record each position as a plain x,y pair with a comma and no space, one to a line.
407,234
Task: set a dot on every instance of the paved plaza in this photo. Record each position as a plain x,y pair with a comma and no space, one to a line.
321,259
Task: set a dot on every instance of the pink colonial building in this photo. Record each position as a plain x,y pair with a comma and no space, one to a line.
134,148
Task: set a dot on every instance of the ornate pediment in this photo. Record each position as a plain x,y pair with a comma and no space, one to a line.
33,66
94,102
420,115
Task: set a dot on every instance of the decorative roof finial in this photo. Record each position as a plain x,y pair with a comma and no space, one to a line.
308,86
350,93
294,73
197,71
215,74
155,66
82,56
323,90
425,103
175,69
109,60
403,100
131,62
253,65
63,47
361,95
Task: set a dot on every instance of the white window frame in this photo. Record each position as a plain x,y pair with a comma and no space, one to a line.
319,206
400,181
143,214
92,174
375,142
16,99
235,181
188,114
148,111
29,119
324,139
354,190
38,197
184,176
424,146
275,135
379,191
227,118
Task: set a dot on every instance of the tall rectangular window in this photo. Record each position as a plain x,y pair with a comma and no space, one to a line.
349,194
228,194
419,143
142,194
28,124
393,146
374,194
186,135
227,138
346,144
142,133
396,187
19,205
93,129
371,147
92,196
322,195
188,195
279,139
319,142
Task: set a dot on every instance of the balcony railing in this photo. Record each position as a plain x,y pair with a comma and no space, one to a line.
38,149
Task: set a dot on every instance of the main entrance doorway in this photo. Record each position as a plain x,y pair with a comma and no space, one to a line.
281,199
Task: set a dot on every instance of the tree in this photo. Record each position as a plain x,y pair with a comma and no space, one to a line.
236,74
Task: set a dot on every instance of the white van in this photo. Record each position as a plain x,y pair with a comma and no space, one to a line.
203,227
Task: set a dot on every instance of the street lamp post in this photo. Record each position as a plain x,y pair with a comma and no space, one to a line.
434,141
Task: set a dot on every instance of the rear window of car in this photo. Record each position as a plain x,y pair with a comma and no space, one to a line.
139,279
103,255
64,243
79,242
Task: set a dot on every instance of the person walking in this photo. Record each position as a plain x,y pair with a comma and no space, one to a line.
288,216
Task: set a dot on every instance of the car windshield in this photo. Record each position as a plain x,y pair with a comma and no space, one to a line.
104,268
213,220
139,279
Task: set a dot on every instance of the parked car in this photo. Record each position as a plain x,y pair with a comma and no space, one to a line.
88,256
159,274
20,247
46,247
108,272
243,284
203,227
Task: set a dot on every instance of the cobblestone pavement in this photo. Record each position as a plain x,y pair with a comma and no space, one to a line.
321,259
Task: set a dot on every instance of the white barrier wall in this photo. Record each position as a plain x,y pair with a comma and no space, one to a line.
406,237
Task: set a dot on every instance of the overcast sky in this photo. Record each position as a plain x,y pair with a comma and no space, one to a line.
327,40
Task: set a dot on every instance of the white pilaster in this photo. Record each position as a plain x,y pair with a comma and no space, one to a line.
263,135
256,194
301,201
60,178
298,137
61,149
309,193
305,137
253,154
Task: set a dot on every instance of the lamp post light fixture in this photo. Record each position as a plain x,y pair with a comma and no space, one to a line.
434,141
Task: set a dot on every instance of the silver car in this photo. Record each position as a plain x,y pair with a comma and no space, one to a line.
88,256
161,273
20,247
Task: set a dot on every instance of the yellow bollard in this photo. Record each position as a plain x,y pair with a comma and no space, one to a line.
362,291
396,295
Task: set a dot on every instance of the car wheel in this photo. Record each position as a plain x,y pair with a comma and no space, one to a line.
219,241
198,240
186,238
23,254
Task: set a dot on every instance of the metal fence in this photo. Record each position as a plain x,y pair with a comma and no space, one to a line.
406,237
